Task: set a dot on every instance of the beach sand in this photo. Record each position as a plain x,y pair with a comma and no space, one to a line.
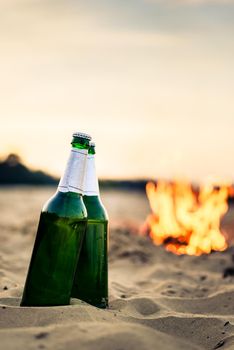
157,300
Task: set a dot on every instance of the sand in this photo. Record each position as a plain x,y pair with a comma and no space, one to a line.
157,300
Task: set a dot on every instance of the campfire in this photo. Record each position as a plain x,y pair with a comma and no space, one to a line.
185,220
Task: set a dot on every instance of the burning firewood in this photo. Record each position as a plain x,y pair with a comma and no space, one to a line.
184,221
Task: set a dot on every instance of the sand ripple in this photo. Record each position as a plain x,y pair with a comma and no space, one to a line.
157,300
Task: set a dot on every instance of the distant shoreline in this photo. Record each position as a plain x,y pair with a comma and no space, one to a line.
14,173
104,185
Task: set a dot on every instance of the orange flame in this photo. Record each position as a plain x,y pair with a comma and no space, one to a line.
187,223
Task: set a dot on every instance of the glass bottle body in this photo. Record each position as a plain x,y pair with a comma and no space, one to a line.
60,233
91,278
56,250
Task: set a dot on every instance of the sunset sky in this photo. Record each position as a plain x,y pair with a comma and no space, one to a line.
151,80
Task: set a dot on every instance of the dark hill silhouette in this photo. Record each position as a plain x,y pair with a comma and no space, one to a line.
12,171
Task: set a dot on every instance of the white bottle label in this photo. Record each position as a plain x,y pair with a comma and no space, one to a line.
91,187
73,178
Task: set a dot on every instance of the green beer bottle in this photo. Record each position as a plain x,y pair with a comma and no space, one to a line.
91,278
60,234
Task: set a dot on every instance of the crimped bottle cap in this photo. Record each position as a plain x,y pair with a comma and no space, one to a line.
82,135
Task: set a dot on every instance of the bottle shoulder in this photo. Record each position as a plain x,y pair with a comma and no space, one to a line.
68,204
95,208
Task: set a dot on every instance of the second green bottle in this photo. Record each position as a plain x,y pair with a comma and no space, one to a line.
91,278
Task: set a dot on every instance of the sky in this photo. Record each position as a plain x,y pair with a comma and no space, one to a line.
151,80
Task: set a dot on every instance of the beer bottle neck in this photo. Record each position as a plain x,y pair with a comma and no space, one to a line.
91,187
73,177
